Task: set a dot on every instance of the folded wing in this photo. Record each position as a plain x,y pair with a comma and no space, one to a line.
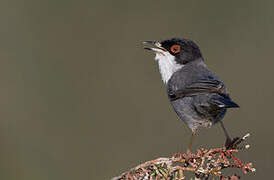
217,95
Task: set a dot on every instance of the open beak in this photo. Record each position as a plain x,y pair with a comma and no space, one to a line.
156,46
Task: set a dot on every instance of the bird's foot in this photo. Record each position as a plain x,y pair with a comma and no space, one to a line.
235,142
188,155
232,143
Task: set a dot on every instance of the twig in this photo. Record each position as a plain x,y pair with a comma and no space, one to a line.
204,164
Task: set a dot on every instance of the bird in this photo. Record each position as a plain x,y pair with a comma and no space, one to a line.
197,95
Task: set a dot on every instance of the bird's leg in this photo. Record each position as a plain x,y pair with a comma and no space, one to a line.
228,138
230,143
188,151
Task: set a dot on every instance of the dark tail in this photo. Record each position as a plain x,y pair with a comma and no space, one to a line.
224,102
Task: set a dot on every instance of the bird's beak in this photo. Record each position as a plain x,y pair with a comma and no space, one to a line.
156,46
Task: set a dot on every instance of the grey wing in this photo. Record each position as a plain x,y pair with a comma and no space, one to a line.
211,91
199,86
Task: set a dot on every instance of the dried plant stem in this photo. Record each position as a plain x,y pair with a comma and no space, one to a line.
204,164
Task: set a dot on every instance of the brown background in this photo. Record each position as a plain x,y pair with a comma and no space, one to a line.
81,99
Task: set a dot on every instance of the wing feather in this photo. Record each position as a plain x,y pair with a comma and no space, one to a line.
199,87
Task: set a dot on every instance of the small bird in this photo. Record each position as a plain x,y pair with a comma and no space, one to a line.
196,94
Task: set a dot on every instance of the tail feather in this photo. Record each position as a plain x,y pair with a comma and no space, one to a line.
224,102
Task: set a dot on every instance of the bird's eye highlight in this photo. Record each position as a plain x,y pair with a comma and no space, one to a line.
175,49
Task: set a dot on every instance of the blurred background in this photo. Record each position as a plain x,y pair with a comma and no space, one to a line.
81,99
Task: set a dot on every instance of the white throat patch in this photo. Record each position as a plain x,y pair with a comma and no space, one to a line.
167,65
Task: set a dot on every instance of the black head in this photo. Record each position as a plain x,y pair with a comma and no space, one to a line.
173,54
184,50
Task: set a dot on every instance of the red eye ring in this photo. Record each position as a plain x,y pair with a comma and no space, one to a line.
175,49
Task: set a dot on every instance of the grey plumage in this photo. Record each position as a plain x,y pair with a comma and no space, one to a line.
196,94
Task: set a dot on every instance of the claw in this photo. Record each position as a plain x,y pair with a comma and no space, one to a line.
232,144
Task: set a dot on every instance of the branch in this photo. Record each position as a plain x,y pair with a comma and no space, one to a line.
203,165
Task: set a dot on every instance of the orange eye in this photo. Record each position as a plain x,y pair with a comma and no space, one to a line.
175,49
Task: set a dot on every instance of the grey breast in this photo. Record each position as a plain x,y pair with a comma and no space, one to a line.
196,110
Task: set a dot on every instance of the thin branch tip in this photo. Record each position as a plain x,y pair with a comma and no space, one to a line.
205,164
